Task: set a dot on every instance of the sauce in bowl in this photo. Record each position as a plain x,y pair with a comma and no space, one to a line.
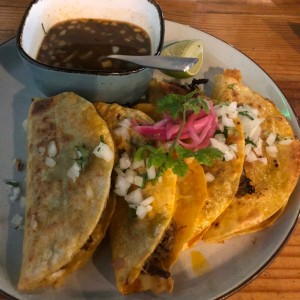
85,43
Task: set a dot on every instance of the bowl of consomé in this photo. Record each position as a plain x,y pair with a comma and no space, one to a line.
65,44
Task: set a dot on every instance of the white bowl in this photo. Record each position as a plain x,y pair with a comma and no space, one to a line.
123,87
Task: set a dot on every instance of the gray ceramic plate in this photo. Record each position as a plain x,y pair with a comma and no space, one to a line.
225,267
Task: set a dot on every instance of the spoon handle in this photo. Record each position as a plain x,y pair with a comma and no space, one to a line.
159,62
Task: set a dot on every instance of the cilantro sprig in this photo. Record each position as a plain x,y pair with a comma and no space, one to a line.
162,159
174,104
177,107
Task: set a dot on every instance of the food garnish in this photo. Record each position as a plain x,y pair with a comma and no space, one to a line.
83,155
189,124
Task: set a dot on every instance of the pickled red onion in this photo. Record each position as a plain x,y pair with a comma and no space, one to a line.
196,133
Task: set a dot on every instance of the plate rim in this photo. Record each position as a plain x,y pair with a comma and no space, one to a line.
275,254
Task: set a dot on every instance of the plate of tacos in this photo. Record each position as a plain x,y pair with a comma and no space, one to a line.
189,192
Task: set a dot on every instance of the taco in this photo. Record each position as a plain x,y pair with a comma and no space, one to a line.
222,189
144,249
272,164
67,208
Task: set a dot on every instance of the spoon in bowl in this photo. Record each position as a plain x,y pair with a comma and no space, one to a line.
159,62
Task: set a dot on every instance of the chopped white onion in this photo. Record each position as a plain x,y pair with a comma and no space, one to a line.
22,201
130,175
122,186
151,173
138,164
220,137
16,220
209,177
272,150
25,123
74,171
229,155
218,145
42,150
103,151
135,197
141,212
248,148
271,138
263,160
15,193
251,157
139,181
234,147
50,162
33,223
286,141
125,123
52,150
258,148
124,161
147,201
227,122
122,132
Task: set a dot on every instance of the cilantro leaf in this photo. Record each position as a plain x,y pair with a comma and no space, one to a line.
172,104
230,86
208,155
179,167
83,157
249,141
12,183
246,114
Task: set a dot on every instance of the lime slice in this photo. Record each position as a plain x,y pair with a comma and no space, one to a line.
186,48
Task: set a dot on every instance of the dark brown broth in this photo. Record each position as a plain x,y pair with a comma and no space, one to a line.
85,44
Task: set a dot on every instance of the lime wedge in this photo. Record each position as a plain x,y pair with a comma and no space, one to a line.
186,48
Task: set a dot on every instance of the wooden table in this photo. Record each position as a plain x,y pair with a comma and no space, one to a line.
268,31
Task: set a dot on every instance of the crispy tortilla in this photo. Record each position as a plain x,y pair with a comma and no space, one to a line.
273,183
61,215
222,189
134,240
136,243
113,114
191,194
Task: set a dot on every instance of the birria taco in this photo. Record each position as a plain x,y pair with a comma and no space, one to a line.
272,161
151,224
70,156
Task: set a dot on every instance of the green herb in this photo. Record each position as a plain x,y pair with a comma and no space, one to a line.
12,183
175,105
246,114
249,141
230,86
224,132
45,32
162,159
145,177
83,159
102,139
204,156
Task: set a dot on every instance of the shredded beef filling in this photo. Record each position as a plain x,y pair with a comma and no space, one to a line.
87,244
155,263
245,187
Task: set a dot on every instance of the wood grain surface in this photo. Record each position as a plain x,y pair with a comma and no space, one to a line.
268,31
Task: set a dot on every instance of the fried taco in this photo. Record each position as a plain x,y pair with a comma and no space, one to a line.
144,249
70,157
226,177
272,163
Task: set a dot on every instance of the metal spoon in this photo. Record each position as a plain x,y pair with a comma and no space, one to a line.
159,62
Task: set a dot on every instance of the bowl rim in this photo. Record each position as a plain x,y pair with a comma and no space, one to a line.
33,61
